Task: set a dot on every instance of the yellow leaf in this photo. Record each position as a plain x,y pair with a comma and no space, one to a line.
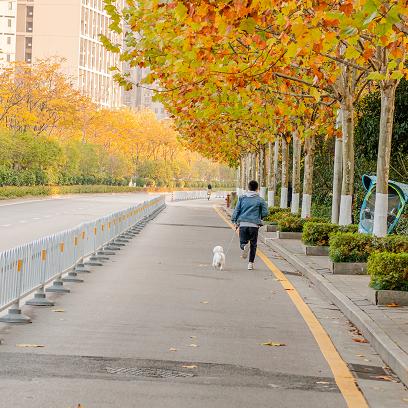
30,345
273,344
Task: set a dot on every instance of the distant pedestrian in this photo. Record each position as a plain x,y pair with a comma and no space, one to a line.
209,189
248,215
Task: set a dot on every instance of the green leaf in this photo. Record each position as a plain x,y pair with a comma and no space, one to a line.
248,25
376,76
180,11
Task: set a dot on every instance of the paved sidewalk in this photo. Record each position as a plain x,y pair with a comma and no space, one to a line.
386,328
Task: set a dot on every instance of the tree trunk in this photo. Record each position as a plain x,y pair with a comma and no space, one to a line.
243,172
347,108
296,173
262,174
337,176
285,174
238,180
253,167
269,170
388,88
308,177
274,167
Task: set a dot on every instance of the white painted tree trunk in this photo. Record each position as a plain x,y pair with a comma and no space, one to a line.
285,171
274,168
347,187
262,173
296,174
337,176
388,88
308,177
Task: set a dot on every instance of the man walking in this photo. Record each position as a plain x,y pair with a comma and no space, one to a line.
248,214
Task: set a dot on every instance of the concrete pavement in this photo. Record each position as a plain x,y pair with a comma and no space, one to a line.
22,221
157,326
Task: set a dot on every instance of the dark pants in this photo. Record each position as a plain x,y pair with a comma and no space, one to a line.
249,234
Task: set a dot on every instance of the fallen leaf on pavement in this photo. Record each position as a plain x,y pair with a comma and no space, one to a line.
189,366
360,340
193,337
58,310
193,345
384,377
393,305
289,289
273,344
360,355
405,399
204,302
30,345
172,349
322,382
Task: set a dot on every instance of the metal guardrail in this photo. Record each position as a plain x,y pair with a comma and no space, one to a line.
31,266
195,195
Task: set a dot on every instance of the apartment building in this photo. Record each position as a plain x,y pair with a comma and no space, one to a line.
8,30
39,29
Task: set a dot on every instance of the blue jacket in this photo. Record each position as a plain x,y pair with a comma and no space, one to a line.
250,208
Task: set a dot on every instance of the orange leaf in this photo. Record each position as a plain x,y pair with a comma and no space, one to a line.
393,305
360,340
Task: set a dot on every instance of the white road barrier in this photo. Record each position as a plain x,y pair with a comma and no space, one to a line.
30,267
195,195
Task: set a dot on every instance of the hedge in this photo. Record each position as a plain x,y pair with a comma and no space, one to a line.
275,213
355,247
318,233
293,223
8,192
388,271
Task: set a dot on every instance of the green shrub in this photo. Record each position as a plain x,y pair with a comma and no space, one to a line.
7,192
275,213
293,223
351,247
394,243
318,233
355,247
388,271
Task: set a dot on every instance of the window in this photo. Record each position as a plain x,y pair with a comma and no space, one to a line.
28,57
29,26
8,40
10,5
8,57
9,22
30,11
29,42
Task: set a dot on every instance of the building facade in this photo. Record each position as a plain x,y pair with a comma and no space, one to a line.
141,97
41,29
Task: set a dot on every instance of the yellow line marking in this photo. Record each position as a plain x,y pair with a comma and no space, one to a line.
342,375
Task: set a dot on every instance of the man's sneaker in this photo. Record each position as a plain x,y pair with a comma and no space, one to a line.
244,254
250,266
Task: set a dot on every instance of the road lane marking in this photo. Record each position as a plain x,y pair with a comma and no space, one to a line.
32,201
342,375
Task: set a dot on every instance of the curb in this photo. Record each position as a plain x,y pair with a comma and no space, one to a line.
388,350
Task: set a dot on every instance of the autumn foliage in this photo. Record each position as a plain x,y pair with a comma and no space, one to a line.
51,134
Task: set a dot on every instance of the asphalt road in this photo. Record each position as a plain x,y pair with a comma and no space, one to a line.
157,327
22,221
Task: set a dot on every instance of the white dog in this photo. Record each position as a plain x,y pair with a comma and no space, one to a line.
219,258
